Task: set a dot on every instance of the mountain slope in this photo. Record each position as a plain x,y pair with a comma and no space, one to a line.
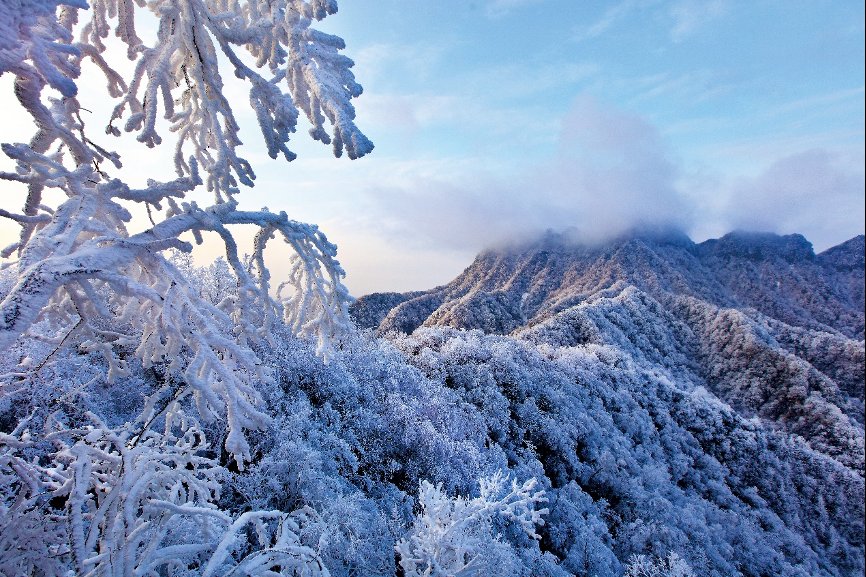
770,327
606,392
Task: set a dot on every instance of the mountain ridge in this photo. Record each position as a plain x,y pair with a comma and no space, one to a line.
547,275
758,319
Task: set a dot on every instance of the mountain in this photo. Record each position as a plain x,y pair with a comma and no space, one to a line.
759,319
699,398
508,288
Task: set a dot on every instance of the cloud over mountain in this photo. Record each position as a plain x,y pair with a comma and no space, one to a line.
611,172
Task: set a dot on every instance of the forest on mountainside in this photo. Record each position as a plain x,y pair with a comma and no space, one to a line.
653,427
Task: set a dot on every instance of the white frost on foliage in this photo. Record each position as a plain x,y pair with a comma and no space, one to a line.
452,536
180,73
125,467
634,461
82,250
32,43
141,498
71,254
133,504
671,566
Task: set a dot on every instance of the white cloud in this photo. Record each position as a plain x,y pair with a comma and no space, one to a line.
610,17
611,173
690,16
614,172
381,62
693,86
533,79
816,193
822,103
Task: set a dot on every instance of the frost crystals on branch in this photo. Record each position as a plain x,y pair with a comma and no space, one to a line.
71,254
181,72
452,537
134,505
671,566
84,277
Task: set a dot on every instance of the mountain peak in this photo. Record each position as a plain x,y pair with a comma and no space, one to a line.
759,246
573,239
657,235
850,255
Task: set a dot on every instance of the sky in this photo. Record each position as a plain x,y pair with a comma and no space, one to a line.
497,119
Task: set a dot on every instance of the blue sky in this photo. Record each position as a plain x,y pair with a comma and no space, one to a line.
493,119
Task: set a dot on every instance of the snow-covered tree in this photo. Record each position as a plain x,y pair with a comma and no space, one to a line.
79,262
671,566
454,536
133,434
86,276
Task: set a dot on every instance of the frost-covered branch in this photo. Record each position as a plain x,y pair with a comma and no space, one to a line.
451,535
81,248
671,566
179,79
140,499
142,506
182,72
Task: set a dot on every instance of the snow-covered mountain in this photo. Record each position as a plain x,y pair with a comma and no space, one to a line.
758,319
705,393
514,287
